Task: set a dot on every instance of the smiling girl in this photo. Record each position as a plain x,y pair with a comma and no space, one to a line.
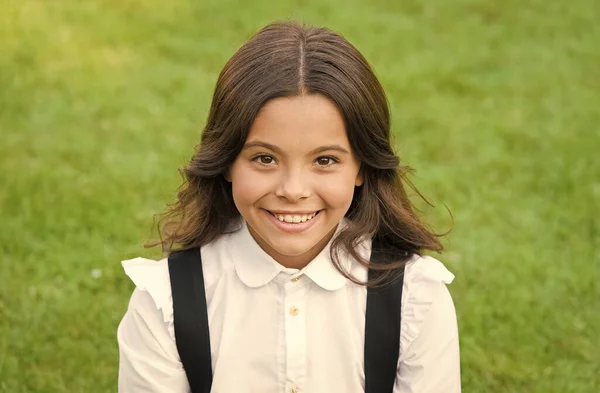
295,258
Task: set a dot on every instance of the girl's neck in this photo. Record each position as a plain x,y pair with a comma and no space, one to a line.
293,261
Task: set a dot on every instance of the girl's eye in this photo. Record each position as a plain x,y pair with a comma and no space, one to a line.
326,161
264,159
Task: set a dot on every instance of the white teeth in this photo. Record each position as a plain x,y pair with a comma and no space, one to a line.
295,219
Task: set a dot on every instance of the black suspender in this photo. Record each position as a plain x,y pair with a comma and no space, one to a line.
190,318
382,326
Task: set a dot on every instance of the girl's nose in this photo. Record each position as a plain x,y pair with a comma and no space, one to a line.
293,186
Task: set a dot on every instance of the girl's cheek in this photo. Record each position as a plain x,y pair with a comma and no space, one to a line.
249,180
336,192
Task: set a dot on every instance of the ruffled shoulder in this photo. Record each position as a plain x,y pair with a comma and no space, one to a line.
424,277
153,277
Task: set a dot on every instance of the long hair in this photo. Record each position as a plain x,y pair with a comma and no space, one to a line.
287,59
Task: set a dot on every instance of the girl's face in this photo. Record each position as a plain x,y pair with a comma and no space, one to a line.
294,179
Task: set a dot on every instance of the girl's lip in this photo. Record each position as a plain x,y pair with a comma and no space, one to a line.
283,213
291,227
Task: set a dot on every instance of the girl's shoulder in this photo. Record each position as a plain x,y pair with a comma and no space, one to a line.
425,280
153,282
425,268
152,291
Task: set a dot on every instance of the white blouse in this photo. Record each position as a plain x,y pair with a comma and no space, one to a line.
280,330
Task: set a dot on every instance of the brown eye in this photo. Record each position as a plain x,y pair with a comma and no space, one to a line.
264,159
325,161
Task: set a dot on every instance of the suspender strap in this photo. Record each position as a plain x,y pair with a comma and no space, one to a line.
190,318
382,329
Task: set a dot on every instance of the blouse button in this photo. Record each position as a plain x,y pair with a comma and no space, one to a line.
295,279
295,389
294,310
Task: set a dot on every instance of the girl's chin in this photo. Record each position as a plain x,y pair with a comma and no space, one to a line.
285,244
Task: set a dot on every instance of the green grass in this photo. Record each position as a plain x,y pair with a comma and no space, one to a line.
497,105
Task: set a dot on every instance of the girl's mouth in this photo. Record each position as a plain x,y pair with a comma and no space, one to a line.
293,222
294,218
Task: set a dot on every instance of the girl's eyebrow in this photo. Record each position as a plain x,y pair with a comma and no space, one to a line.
276,149
337,148
262,144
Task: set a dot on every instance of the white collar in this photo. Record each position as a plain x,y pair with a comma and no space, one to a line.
257,268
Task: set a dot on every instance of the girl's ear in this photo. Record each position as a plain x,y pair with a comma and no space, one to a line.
359,177
227,175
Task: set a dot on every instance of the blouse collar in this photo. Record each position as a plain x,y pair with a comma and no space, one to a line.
256,268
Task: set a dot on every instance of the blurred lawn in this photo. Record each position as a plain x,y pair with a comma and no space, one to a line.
497,104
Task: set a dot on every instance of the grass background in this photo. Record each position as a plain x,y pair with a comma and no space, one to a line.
496,103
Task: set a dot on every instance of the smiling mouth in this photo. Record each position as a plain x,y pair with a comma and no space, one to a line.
294,218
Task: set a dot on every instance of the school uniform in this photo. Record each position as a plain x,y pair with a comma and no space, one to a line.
274,329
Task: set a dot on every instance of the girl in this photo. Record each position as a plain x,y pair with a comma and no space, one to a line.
293,183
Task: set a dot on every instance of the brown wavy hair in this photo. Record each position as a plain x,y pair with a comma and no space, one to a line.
287,59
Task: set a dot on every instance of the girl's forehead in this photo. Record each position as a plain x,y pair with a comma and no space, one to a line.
306,104
301,120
